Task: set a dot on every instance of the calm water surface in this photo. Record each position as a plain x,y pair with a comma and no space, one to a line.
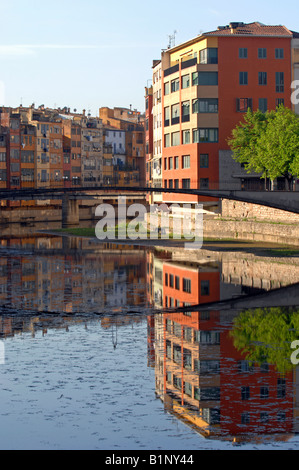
128,348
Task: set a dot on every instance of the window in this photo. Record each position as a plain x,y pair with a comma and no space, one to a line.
176,184
188,389
207,393
170,184
263,104
243,53
177,282
187,359
44,176
170,163
245,393
264,392
245,418
281,388
208,337
205,105
15,139
204,183
186,81
264,417
177,354
27,174
205,135
175,114
205,287
279,101
187,285
243,78
2,156
166,279
167,140
3,175
279,53
166,116
177,382
262,78
245,367
175,138
186,137
186,111
186,183
204,160
186,161
209,367
166,88
209,56
165,163
279,81
262,53
281,416
15,154
176,163
243,104
175,85
205,78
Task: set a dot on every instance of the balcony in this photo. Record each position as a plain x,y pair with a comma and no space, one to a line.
171,70
189,63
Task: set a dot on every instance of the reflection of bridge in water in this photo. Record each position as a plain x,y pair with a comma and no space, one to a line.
283,297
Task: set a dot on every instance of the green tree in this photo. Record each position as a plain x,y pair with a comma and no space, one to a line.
268,143
280,144
265,335
245,142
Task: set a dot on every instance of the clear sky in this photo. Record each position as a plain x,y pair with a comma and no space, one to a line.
93,53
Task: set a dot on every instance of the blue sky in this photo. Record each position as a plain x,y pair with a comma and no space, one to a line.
88,54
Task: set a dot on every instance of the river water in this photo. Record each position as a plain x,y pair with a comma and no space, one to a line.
121,347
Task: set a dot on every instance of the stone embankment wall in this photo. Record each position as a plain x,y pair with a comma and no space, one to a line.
241,210
251,222
252,231
247,269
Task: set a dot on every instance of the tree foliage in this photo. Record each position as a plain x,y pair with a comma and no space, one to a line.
268,143
265,335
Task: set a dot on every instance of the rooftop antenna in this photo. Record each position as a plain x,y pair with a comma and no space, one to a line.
171,38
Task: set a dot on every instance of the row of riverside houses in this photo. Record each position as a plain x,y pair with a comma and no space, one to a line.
43,147
200,92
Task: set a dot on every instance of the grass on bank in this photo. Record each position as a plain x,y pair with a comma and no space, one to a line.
90,232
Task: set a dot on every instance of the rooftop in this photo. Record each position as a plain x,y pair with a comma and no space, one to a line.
250,29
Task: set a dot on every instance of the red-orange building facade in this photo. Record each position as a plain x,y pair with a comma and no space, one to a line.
209,83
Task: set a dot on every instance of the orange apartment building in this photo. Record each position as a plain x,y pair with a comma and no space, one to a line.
72,130
208,84
132,122
56,153
3,157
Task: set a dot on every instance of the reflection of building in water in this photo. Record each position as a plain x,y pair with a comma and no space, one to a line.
210,385
200,376
75,278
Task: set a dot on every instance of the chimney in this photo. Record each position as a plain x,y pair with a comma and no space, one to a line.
234,26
